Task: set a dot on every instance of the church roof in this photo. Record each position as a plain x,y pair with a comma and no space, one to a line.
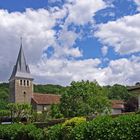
21,69
46,99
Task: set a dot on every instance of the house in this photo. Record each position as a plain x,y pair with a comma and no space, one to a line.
21,86
135,90
42,102
117,106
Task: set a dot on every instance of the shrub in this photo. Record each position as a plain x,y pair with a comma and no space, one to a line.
21,132
64,131
54,132
125,127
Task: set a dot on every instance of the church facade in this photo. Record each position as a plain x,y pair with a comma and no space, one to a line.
21,86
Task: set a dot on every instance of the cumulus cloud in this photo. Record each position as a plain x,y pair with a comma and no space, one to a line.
138,4
121,71
123,35
37,27
104,50
82,11
64,71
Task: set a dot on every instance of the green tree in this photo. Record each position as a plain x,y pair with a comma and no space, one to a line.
4,95
55,111
49,88
19,111
84,98
118,92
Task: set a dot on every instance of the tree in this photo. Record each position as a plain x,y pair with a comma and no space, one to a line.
55,111
49,88
84,98
19,111
131,105
118,92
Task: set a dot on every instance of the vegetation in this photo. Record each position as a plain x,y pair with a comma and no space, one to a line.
49,88
84,98
118,92
19,111
21,132
125,127
78,99
4,95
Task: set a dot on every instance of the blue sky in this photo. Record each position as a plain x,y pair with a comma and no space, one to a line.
66,40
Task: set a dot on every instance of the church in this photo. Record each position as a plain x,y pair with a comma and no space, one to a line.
21,87
22,90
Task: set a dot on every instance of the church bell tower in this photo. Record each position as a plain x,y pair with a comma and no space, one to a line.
21,81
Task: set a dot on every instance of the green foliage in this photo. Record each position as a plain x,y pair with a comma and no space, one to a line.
55,111
19,110
4,113
53,89
21,132
125,127
74,121
4,95
84,98
54,132
118,92
64,131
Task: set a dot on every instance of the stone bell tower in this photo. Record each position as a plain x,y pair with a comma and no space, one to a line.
20,82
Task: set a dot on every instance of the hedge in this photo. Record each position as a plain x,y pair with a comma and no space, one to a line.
21,132
125,127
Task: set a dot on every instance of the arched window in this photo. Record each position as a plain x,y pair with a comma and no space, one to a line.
21,82
24,94
24,82
27,82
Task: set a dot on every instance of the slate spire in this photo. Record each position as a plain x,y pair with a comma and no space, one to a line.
21,69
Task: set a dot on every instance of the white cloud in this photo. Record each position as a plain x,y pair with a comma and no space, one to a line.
104,50
138,4
82,11
123,35
64,71
37,29
121,71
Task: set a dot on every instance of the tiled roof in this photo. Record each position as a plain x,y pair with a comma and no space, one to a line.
46,99
117,104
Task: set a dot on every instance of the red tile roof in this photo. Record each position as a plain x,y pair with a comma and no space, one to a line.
117,104
46,99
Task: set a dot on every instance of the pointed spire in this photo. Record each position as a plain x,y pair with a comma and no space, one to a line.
21,69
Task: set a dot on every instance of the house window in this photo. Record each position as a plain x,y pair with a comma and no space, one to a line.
21,82
24,82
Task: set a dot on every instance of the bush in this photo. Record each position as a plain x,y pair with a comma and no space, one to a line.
125,127
21,132
64,131
54,132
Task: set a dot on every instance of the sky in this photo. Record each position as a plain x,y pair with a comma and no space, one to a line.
72,40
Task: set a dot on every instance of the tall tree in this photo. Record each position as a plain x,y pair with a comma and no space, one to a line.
84,98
